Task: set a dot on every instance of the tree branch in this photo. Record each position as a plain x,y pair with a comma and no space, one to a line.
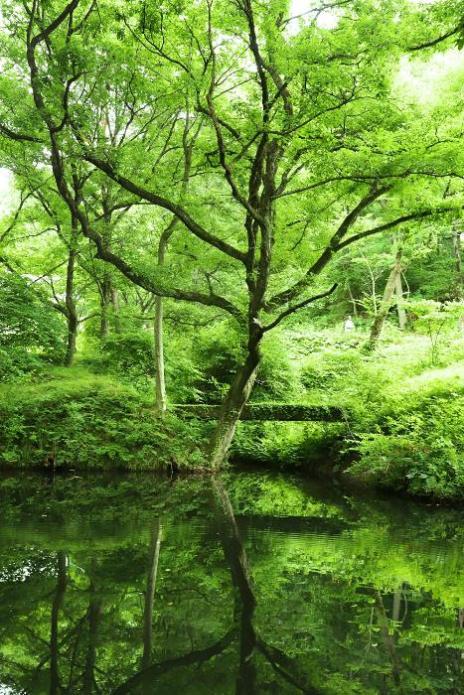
177,210
45,33
296,307
439,39
195,657
19,137
388,225
331,248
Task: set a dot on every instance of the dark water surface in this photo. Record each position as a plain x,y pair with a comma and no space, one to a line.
254,583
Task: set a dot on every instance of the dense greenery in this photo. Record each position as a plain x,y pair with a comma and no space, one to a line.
255,584
197,197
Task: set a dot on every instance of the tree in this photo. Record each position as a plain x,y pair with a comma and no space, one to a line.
297,137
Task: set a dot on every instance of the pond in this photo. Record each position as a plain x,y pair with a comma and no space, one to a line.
249,583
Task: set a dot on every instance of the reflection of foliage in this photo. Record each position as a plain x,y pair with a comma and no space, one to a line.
369,603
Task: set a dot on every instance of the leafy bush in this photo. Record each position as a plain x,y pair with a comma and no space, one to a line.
17,362
91,422
418,448
311,446
129,353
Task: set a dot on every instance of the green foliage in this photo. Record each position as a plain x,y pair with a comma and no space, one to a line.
312,447
418,444
30,331
80,420
236,208
129,353
342,585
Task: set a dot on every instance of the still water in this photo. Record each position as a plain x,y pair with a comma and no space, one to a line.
252,583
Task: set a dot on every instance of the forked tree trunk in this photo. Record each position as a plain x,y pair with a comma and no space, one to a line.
231,409
245,600
386,302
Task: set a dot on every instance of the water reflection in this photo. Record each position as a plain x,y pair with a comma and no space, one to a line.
247,584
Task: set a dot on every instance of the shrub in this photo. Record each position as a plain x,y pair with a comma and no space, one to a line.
129,353
419,449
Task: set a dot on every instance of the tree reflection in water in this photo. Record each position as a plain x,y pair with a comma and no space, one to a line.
248,584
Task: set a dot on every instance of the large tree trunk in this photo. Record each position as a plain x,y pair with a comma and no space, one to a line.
71,341
245,600
71,312
386,302
231,409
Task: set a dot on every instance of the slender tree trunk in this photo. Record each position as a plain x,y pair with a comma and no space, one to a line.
457,246
399,302
386,302
161,401
61,583
231,409
160,382
71,312
105,299
388,639
155,545
396,609
93,619
353,302
116,309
